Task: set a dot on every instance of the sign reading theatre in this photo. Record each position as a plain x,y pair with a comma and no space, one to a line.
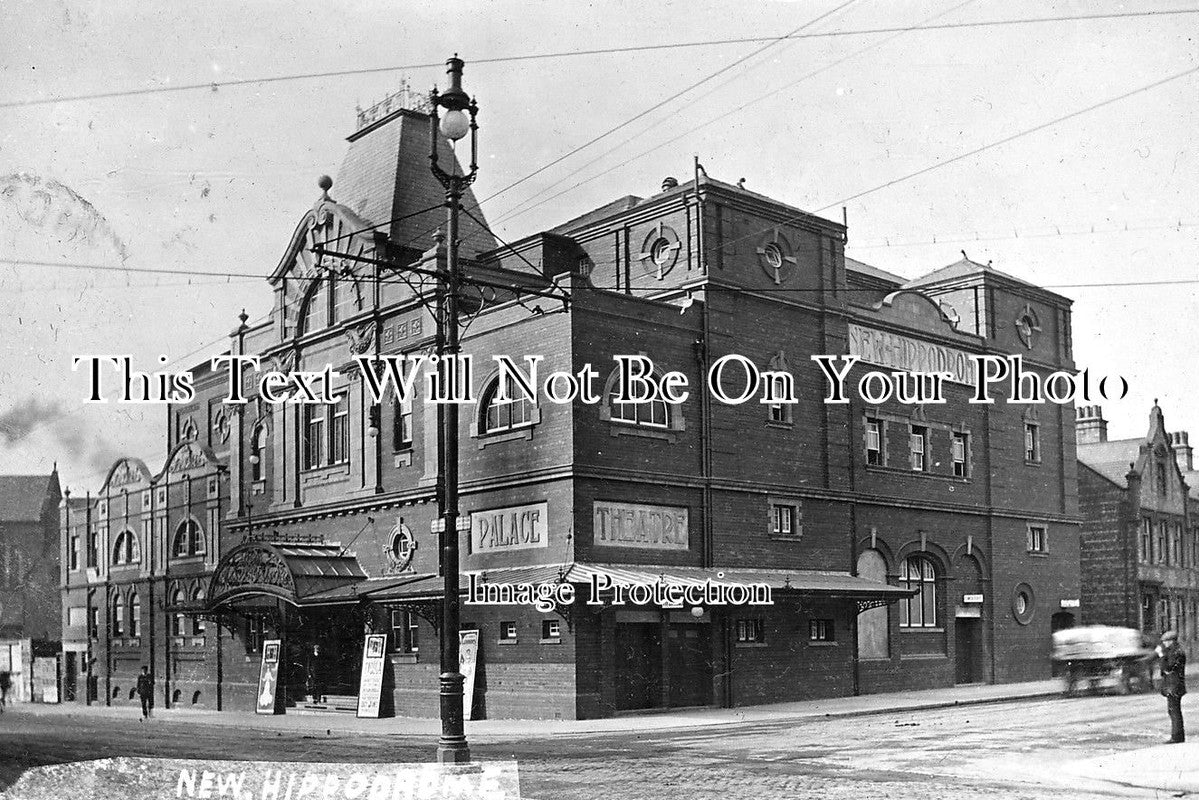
515,528
641,526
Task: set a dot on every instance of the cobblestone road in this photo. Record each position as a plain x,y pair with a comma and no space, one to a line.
1006,750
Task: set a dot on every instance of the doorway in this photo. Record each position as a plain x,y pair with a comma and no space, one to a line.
968,647
689,658
70,675
638,668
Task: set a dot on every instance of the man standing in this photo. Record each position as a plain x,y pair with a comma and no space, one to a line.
1174,682
5,685
145,690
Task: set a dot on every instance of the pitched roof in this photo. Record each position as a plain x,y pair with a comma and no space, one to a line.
22,497
385,176
853,265
1111,459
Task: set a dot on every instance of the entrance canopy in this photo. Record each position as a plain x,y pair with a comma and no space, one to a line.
288,571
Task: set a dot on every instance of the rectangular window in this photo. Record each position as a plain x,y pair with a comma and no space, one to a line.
550,629
402,431
314,436
1037,540
751,631
1146,546
405,631
339,431
820,630
874,442
76,616
508,631
118,620
1032,442
784,520
93,549
919,447
961,442
1159,543
93,622
74,552
778,413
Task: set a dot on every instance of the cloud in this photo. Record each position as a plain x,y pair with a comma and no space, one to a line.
33,414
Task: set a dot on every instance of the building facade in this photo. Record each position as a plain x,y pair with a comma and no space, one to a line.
902,544
1140,544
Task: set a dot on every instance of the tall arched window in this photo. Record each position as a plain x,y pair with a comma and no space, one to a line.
402,424
651,414
135,614
920,610
126,551
178,619
258,454
117,615
198,624
189,540
498,415
315,314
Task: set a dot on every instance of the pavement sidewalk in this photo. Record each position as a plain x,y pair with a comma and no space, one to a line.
502,729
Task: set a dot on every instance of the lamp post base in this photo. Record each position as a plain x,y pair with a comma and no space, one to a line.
451,746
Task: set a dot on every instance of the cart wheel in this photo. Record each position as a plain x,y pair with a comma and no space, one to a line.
1125,684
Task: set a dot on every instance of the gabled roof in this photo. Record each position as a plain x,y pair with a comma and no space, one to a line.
23,496
615,207
1111,459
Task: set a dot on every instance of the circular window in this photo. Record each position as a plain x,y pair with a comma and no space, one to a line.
1023,604
660,251
401,546
773,255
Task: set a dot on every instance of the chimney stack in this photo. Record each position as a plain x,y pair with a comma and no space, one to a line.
1181,445
1089,425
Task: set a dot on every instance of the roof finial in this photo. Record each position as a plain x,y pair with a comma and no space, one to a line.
243,316
325,183
965,256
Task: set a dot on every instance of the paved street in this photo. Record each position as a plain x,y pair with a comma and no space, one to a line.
1032,748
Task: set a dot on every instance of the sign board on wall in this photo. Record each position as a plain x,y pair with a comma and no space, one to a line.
269,696
972,598
891,350
468,661
515,528
641,526
370,684
1070,603
45,679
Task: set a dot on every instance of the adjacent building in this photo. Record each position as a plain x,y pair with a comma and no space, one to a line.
1140,543
902,544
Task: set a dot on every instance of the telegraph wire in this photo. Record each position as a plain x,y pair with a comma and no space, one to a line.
213,86
521,208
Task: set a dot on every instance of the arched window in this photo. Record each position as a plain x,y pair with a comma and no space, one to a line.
117,614
315,314
873,629
651,414
198,625
499,415
920,610
189,540
135,614
125,551
178,619
258,454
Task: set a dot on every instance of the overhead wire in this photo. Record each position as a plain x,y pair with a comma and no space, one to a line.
212,86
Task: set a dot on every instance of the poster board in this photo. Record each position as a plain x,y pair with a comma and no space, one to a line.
370,682
45,679
468,660
269,697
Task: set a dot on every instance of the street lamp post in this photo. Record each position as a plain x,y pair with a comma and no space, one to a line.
459,120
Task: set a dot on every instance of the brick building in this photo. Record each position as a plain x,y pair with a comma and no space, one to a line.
29,595
902,545
1140,543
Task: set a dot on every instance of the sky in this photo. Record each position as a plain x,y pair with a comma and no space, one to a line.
216,178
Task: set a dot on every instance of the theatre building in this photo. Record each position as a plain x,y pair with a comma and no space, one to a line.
1140,544
899,544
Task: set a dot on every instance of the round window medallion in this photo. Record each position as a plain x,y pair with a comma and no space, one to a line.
660,251
774,256
400,548
1023,604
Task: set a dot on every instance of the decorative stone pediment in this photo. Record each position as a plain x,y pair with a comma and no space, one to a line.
127,472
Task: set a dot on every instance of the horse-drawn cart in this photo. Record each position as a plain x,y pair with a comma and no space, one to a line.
1097,653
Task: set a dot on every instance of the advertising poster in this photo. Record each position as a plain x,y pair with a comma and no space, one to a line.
269,696
468,662
370,684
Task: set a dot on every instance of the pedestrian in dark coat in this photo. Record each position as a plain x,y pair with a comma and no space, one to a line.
145,691
5,685
1174,682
